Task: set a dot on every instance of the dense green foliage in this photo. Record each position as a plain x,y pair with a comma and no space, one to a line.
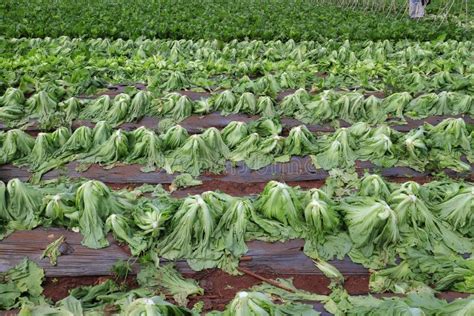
427,227
110,297
69,67
318,61
435,7
328,106
257,144
217,19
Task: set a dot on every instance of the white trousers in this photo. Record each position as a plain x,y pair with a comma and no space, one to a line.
417,9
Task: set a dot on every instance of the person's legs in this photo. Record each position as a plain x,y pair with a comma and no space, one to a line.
421,9
416,9
411,8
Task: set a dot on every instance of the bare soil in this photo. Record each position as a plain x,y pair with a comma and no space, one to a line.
219,287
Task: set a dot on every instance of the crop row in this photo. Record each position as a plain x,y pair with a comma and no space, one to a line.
261,299
219,19
403,51
163,81
166,65
326,106
258,144
371,220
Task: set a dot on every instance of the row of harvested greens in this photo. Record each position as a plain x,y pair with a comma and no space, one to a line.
75,66
403,51
323,107
411,235
268,84
257,144
159,283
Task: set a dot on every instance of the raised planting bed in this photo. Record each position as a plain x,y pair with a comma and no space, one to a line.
79,265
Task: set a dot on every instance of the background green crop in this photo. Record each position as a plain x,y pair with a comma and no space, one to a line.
220,19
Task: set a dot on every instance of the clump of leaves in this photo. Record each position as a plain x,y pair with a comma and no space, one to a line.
146,149
176,106
197,154
258,303
53,251
191,229
336,151
23,206
120,226
15,144
166,280
280,202
97,110
113,150
320,215
43,107
231,231
184,180
121,270
300,142
154,306
174,137
234,133
20,284
371,223
373,185
95,202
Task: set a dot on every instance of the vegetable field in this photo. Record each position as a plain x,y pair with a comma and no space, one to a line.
236,158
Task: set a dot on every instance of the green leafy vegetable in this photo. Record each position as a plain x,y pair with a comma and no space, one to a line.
96,202
52,251
336,151
166,280
120,227
183,181
21,283
371,223
281,202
